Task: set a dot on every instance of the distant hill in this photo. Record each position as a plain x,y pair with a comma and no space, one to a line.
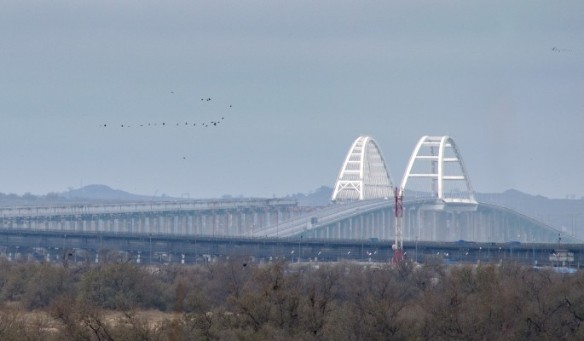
102,193
87,194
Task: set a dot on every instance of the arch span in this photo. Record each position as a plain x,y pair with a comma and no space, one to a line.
437,160
364,174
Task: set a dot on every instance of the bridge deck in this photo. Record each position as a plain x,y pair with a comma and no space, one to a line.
139,207
172,248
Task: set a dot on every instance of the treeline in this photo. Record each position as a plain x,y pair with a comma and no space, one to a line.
240,300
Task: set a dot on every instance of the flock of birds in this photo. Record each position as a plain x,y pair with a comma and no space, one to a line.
173,123
165,124
205,124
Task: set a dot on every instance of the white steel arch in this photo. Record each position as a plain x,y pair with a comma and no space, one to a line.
445,168
364,174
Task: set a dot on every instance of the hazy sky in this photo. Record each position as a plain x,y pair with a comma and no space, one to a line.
505,79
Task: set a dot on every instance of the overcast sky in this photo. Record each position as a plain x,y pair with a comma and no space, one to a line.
504,79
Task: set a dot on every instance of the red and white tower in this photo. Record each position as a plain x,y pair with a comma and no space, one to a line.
398,246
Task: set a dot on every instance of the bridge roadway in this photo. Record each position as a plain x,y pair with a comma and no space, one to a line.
56,246
222,217
324,216
138,207
425,219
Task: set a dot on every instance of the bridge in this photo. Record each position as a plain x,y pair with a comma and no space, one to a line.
440,203
439,206
233,217
424,221
91,247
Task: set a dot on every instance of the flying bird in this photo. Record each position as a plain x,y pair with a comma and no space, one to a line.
556,49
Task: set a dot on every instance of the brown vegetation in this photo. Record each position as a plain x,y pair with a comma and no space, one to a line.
240,300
